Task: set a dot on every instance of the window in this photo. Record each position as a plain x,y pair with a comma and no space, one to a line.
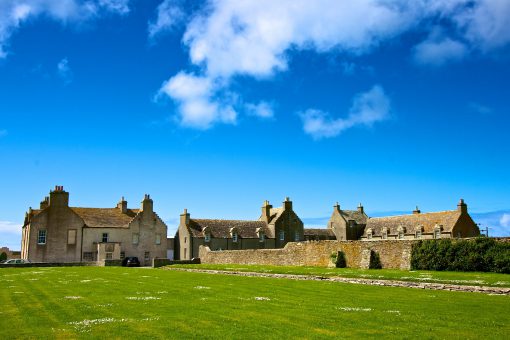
71,236
207,237
369,234
109,256
282,235
400,235
234,237
261,237
418,234
104,238
136,238
41,237
185,239
87,256
122,255
147,256
296,237
385,234
158,238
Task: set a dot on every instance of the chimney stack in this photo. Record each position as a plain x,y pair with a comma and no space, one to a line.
462,207
45,203
287,204
336,207
360,209
147,205
266,211
185,217
122,205
59,197
416,211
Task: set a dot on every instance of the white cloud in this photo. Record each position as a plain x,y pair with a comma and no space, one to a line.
479,108
257,38
194,96
367,108
170,15
261,110
10,227
14,13
505,220
439,52
64,71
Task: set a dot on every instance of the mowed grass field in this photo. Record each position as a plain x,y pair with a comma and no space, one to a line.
457,278
120,303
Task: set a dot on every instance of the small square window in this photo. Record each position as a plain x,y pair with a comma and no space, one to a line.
418,234
109,256
41,237
207,237
87,256
385,235
296,237
104,238
147,256
437,233
282,236
400,235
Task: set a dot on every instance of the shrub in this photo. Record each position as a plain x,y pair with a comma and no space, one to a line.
340,260
3,256
481,254
375,261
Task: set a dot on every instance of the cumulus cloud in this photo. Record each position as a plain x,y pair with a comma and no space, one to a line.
505,220
170,14
257,38
64,71
367,108
14,13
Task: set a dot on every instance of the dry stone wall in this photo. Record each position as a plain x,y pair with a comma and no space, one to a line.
393,254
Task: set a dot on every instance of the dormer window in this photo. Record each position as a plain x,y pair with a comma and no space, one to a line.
418,233
234,236
207,237
261,236
437,232
369,234
400,233
385,234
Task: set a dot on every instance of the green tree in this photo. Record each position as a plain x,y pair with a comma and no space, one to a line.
3,256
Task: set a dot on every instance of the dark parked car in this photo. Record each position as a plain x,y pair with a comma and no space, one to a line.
131,261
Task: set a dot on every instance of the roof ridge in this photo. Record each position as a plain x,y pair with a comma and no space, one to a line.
422,213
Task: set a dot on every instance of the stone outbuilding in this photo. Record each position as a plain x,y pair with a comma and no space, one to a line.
57,232
444,224
347,225
274,228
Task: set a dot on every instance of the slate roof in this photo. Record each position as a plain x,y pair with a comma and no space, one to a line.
221,228
275,213
318,232
411,223
355,215
105,217
102,217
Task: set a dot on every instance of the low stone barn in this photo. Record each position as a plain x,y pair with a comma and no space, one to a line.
444,224
57,232
274,228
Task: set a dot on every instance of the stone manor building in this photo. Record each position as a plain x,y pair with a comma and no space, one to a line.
57,232
274,228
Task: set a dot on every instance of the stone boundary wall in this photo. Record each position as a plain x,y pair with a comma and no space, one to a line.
48,264
156,263
394,254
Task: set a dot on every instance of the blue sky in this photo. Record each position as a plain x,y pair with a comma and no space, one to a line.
216,106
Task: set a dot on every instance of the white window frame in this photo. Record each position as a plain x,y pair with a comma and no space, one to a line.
158,239
282,235
136,238
234,237
108,256
385,235
103,238
42,235
296,237
418,234
437,233
261,237
207,237
400,235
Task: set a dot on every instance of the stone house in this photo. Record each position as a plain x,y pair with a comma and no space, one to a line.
11,254
57,232
444,224
347,225
274,228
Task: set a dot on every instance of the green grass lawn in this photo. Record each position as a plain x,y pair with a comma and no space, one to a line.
459,278
119,303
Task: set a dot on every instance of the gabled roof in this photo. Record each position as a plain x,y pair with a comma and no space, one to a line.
105,217
275,214
318,232
355,215
411,223
221,228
